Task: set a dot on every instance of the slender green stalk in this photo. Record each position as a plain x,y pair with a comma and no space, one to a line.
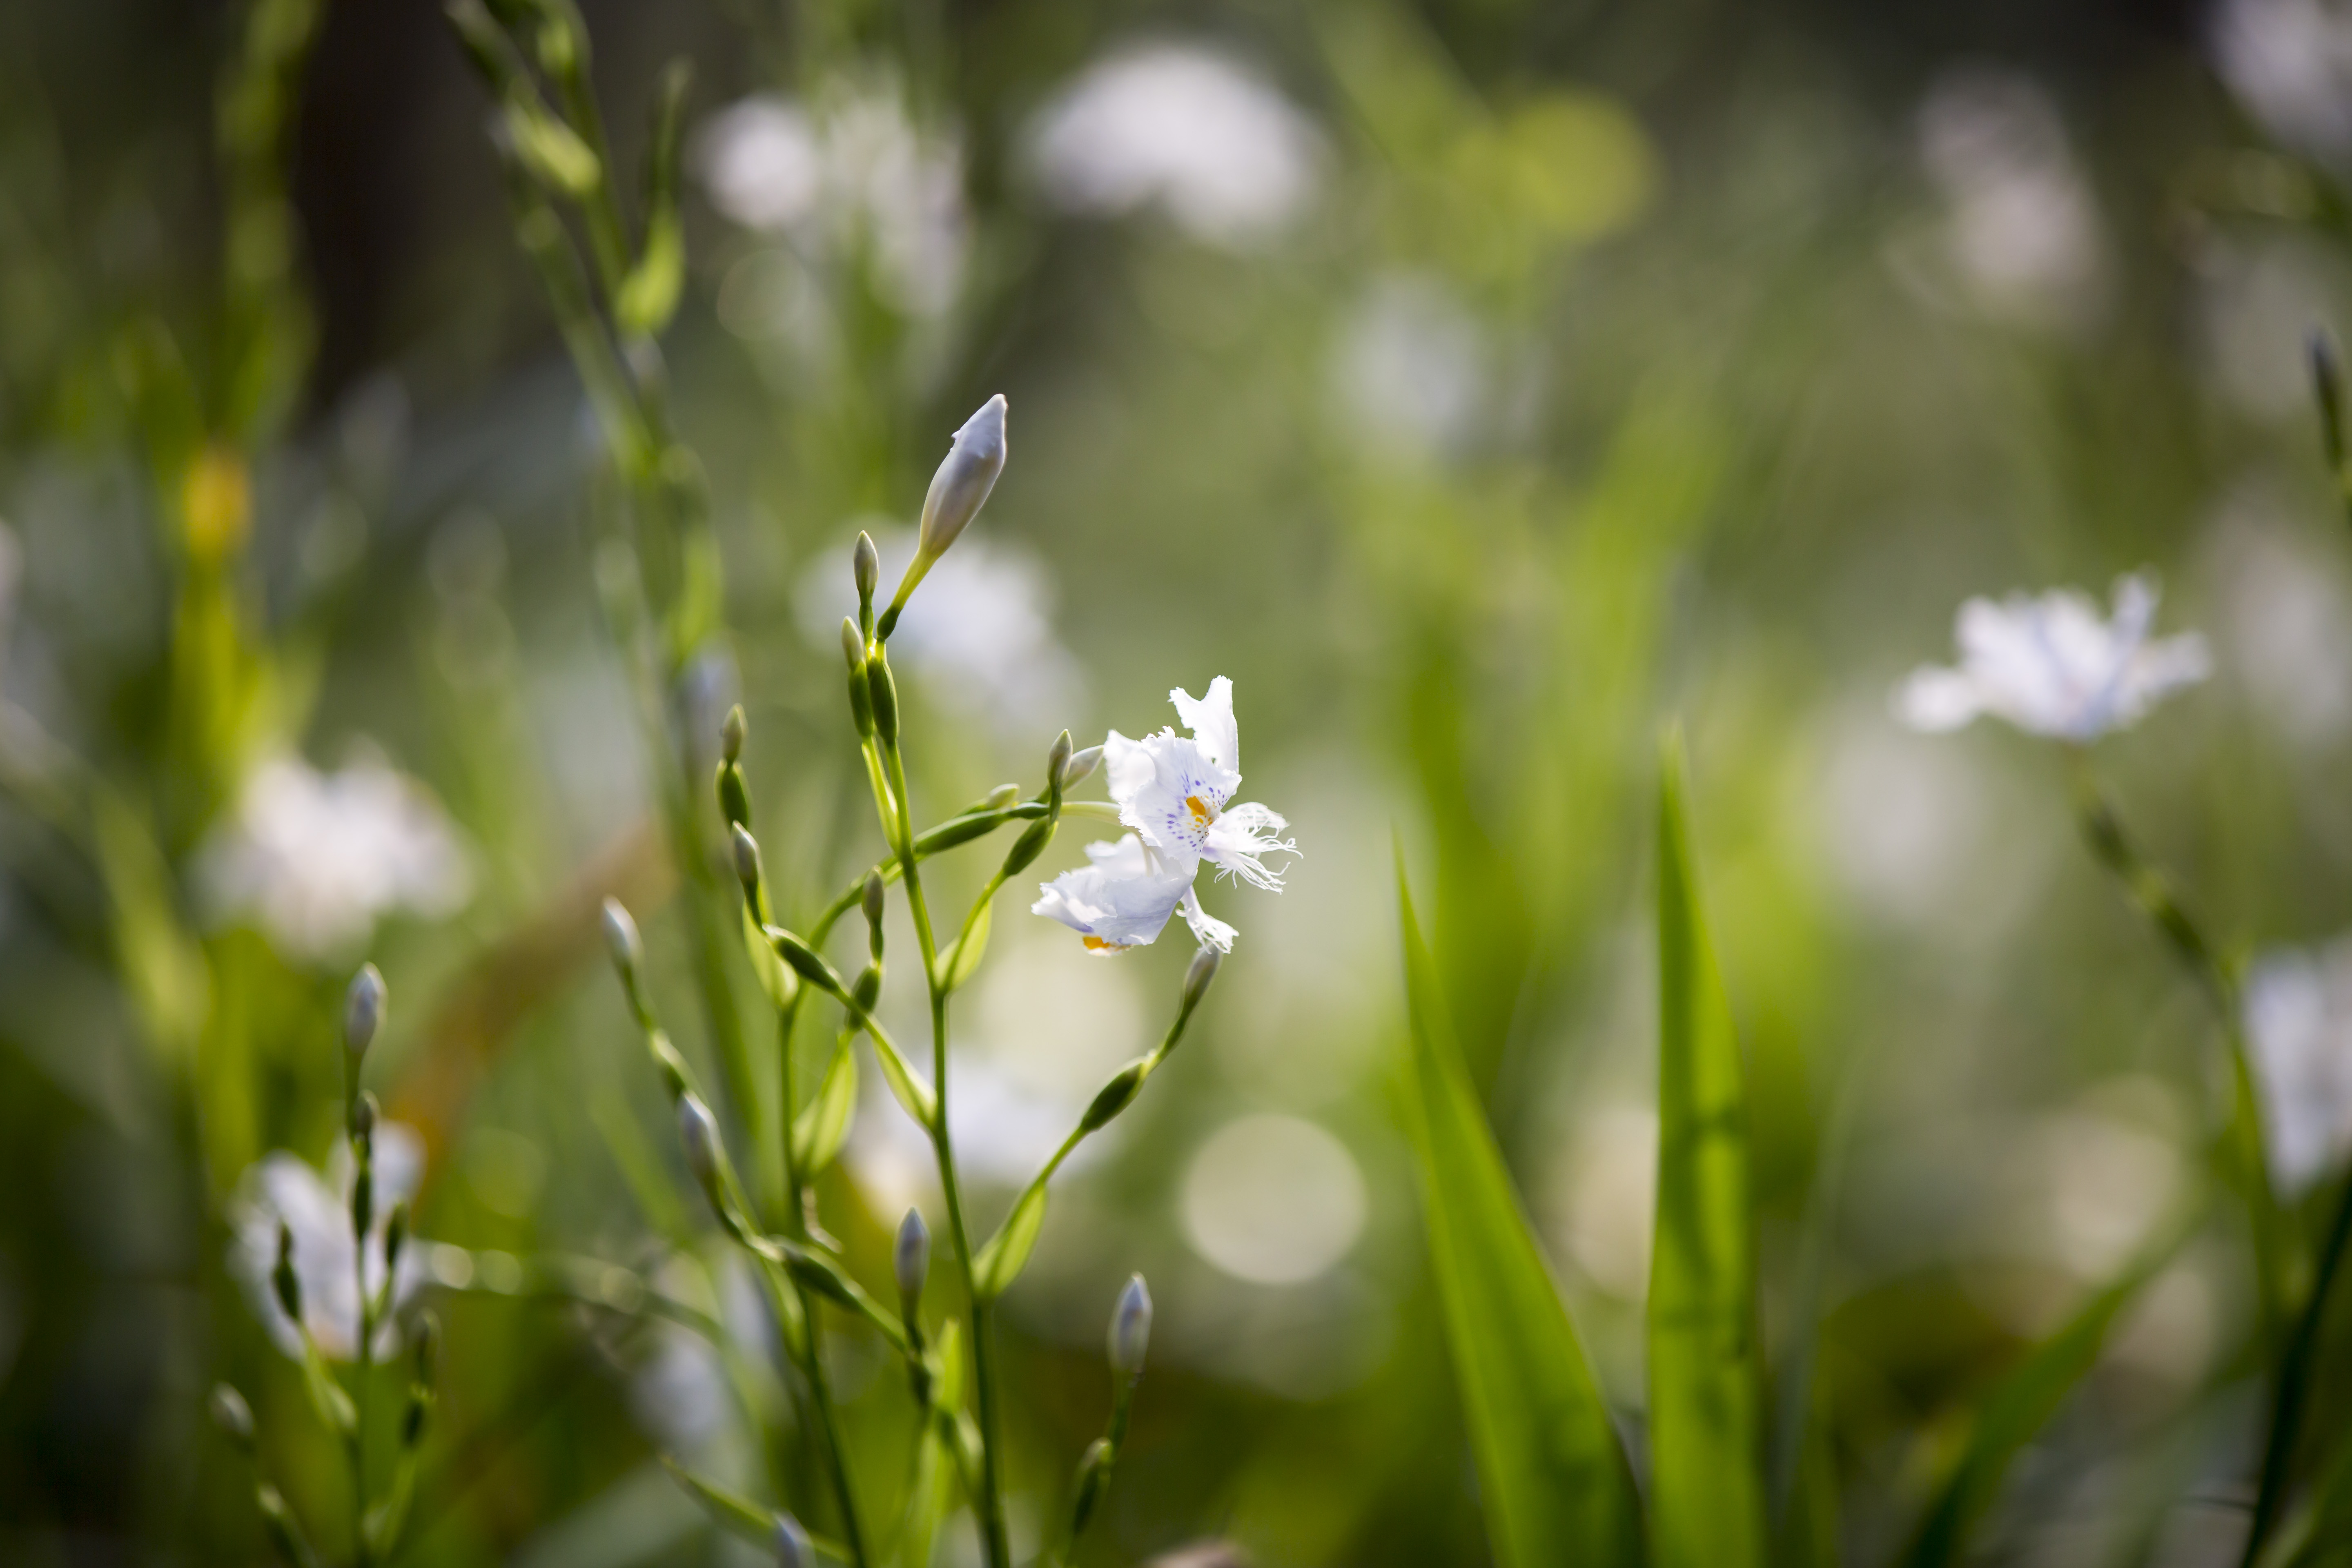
2294,1381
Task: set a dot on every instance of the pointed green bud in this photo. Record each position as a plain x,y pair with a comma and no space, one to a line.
621,938
283,1280
866,565
730,734
884,691
747,856
793,1548
1094,1480
805,960
395,1234
362,1010
1131,1327
232,1414
424,1364
1117,1095
870,900
1204,970
734,798
1002,796
363,1190
910,1258
1057,758
1028,846
699,1133
867,990
279,1520
861,695
1080,765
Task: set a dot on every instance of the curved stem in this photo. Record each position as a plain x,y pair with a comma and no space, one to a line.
2294,1376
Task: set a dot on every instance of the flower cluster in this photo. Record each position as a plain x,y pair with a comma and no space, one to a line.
1175,794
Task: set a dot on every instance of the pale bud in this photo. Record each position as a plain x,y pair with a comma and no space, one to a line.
363,1009
911,1258
960,485
1080,765
730,734
1058,759
871,899
865,563
1131,1327
628,949
232,1414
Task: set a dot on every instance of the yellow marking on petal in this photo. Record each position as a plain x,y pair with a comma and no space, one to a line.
1202,814
1097,945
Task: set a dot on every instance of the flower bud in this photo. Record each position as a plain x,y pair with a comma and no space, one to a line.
868,989
747,856
1028,846
793,1548
283,1280
363,1192
866,565
730,734
628,949
1115,1096
395,1236
1002,796
884,691
1058,759
1080,764
734,799
365,1113
861,696
1204,970
910,1258
699,1133
425,1360
232,1414
362,1010
805,960
1094,1480
870,899
280,1521
960,489
1131,1327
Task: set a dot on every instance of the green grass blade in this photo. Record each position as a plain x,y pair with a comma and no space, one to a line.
1552,1476
2022,1403
1707,1471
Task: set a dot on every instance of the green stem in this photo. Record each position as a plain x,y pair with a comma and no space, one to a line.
2294,1377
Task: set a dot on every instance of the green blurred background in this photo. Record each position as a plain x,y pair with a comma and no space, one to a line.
1476,384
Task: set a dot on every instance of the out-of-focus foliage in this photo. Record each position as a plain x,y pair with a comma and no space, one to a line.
1476,384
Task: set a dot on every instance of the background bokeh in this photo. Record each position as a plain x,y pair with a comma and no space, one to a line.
1476,384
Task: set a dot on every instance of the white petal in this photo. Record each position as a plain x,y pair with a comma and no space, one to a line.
1211,719
1209,930
1935,698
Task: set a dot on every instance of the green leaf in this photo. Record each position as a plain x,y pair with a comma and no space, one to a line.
911,1092
2022,1403
1706,1393
823,1125
333,1406
1007,1252
958,961
1552,1476
738,1512
780,983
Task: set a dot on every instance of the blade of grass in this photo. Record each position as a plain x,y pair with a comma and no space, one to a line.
2022,1403
1552,1476
1706,1383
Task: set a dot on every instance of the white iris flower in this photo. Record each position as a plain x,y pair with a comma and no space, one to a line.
1174,792
2051,666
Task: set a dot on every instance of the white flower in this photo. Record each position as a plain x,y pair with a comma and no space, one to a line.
1221,151
980,634
1124,895
318,857
2298,1017
2051,666
1174,791
1411,370
318,1212
855,171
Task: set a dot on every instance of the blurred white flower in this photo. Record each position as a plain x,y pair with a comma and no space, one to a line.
2289,62
681,1393
981,632
316,858
1272,1200
2024,230
1411,368
2298,1018
1902,817
2051,666
855,171
282,1187
1188,129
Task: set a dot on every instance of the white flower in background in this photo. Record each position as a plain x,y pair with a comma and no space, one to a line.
1174,791
2051,666
316,858
980,633
2024,230
2290,63
1411,368
2298,1017
1187,129
854,169
282,1187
